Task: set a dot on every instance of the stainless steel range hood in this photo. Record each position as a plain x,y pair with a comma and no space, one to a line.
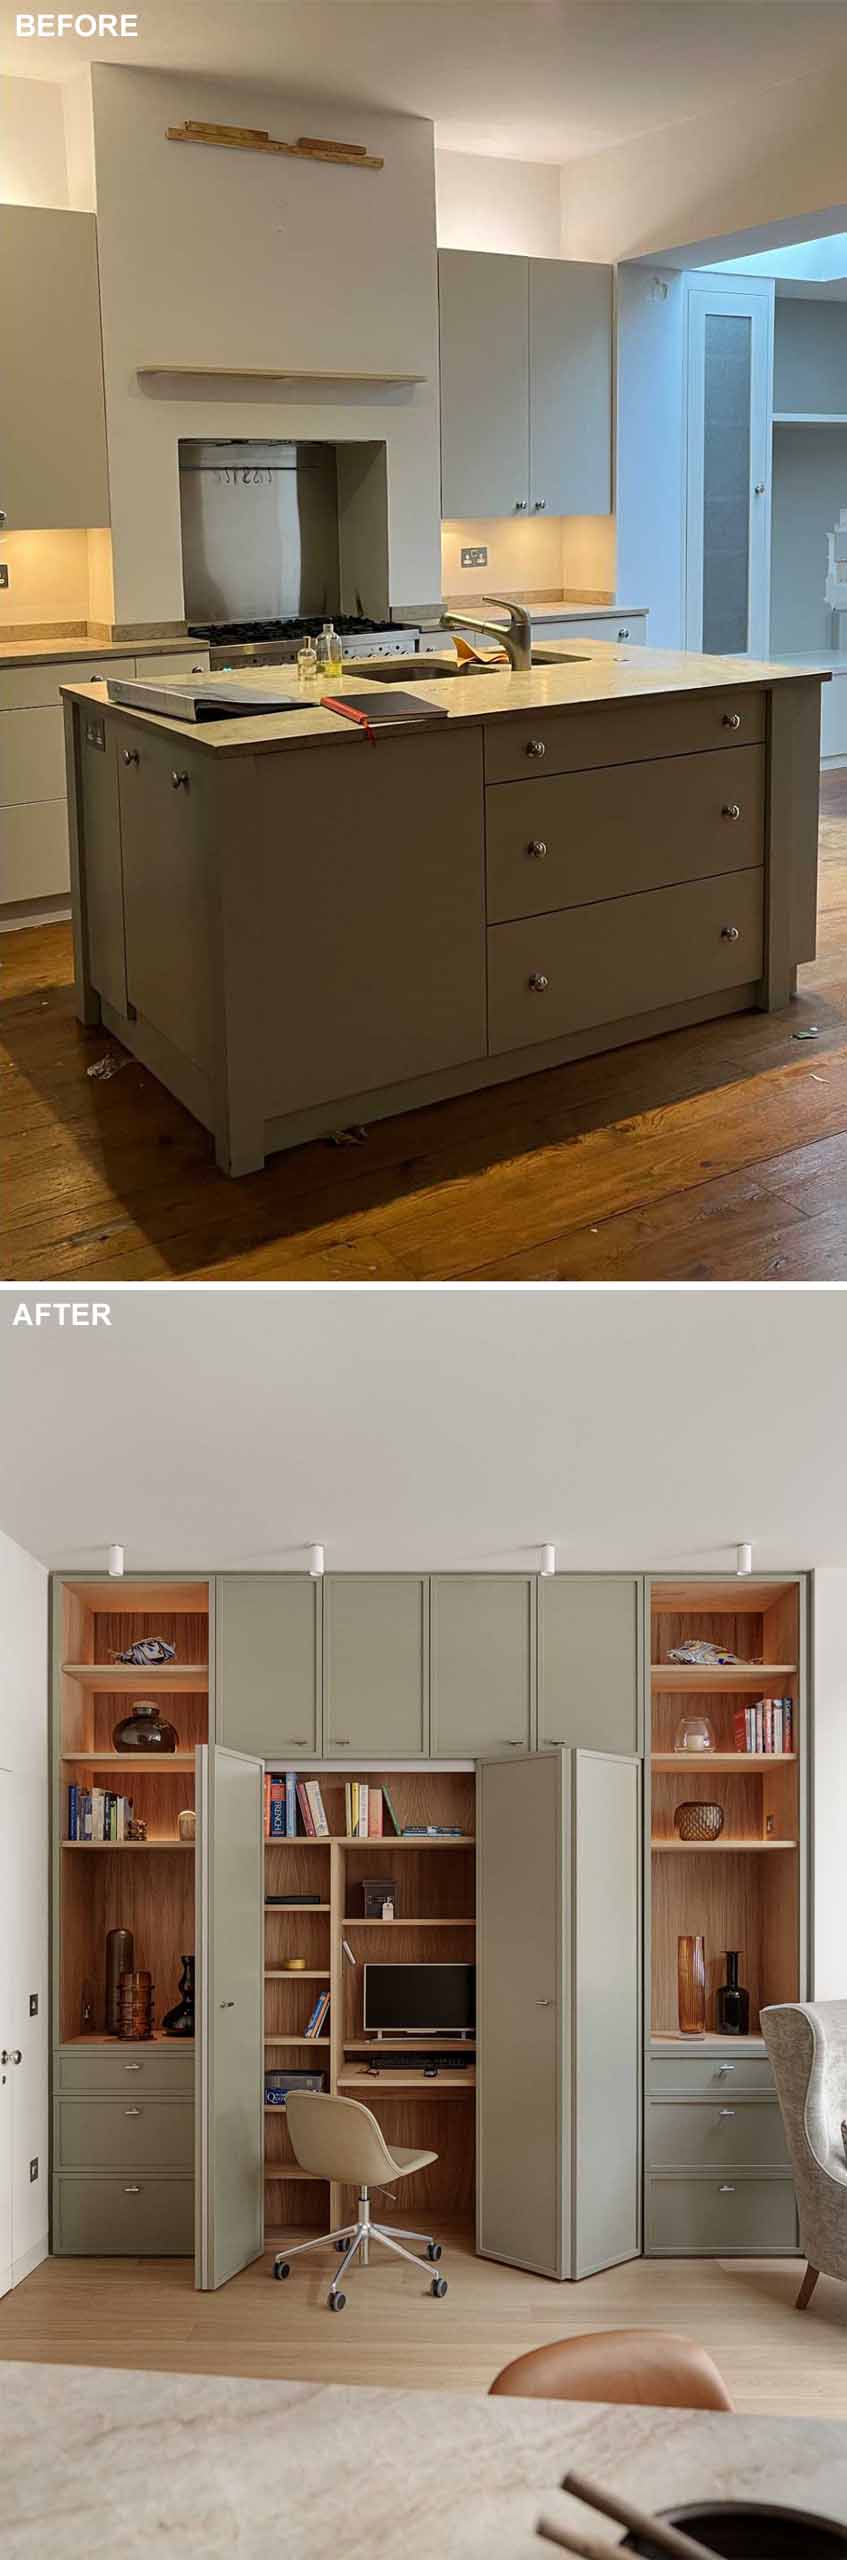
273,530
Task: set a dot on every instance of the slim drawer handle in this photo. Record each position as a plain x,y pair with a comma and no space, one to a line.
724,2069
538,982
132,2191
133,2066
536,747
726,2112
342,1740
730,933
730,809
537,849
730,719
133,2111
131,755
726,2191
511,1742
544,2004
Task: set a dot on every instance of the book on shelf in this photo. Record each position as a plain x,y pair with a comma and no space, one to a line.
318,1809
95,1813
306,1813
390,1810
291,1804
432,1831
348,1951
318,2018
766,1726
364,1798
374,1813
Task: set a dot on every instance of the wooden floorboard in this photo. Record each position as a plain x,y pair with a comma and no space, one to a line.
716,1153
145,2313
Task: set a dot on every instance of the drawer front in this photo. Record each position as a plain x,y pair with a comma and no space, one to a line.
30,687
124,2133
697,2133
194,662
112,2070
123,2217
720,2217
575,837
561,741
610,626
706,2075
34,851
32,757
591,965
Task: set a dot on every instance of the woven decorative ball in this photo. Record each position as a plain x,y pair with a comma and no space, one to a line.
698,1821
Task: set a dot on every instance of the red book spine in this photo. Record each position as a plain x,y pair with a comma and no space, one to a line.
740,1728
375,1813
267,1806
306,1810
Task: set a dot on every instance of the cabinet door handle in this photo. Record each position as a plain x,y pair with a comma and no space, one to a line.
537,849
544,2004
226,2004
520,506
539,505
133,2111
726,2191
179,781
342,1741
624,633
726,2113
535,747
14,2056
730,933
131,755
133,2066
511,1742
730,719
538,982
730,809
724,2069
132,2191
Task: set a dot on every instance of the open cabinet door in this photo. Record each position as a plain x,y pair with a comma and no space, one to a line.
522,2012
606,2043
230,2014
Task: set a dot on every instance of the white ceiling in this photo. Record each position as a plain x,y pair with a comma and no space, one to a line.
538,80
448,1427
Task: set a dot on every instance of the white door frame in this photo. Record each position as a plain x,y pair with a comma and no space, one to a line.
753,297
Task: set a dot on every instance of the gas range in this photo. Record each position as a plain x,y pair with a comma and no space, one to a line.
275,644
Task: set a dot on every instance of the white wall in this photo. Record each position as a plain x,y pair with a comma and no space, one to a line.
780,153
23,1752
507,205
33,164
829,1790
650,448
236,258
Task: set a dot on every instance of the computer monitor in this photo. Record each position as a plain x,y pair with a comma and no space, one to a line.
419,1999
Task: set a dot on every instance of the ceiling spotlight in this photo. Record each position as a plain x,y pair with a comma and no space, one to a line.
316,1563
116,1561
548,1560
744,1558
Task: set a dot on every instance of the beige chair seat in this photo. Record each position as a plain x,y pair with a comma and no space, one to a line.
406,2161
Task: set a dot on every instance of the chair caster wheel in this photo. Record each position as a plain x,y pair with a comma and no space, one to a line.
340,2246
337,2301
438,2287
433,2249
281,2268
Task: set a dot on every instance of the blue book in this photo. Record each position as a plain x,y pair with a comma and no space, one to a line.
73,1813
291,1804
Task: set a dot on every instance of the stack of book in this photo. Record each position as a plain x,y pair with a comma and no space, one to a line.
766,1726
294,1808
319,2016
95,1814
363,1811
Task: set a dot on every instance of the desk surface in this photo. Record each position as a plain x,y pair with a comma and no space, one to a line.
94,2461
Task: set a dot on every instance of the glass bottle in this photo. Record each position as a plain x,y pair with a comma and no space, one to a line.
691,1986
330,659
307,662
732,2004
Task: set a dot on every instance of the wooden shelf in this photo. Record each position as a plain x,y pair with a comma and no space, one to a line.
403,1922
450,2084
137,1675
112,2044
710,2042
271,373
161,1761
187,1846
732,1676
298,1974
381,1840
716,1848
734,1762
316,2044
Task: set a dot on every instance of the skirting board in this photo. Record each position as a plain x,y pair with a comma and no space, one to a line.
32,2258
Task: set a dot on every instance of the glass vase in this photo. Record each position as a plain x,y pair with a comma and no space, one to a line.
691,1985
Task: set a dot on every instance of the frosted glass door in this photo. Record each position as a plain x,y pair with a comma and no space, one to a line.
730,336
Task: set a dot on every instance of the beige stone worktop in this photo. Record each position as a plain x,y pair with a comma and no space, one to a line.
105,2461
600,673
58,652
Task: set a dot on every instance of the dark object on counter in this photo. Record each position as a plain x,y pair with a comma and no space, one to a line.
179,2021
745,2532
732,2004
144,1730
120,1950
136,2007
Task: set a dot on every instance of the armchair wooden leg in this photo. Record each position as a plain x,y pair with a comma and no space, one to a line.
807,2287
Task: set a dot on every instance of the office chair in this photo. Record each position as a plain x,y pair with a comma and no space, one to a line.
647,2368
337,2138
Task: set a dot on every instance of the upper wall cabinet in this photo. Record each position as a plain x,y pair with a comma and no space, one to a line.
268,1651
483,1663
526,386
588,1661
375,1664
52,420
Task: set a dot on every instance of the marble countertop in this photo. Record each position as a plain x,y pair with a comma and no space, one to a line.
601,672
122,2463
60,652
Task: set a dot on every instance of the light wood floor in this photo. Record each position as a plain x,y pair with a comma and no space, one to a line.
145,2313
714,1153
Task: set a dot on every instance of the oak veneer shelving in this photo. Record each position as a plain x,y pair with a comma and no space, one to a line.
117,1676
138,1847
455,2084
713,1848
283,1973
731,1762
162,1761
718,1677
451,1923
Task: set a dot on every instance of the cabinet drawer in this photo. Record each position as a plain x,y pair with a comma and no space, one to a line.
32,757
696,2133
575,837
34,850
112,2070
610,626
194,662
591,965
720,2217
560,741
123,2217
129,2132
30,687
704,2075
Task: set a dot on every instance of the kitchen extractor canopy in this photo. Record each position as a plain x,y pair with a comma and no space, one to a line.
278,529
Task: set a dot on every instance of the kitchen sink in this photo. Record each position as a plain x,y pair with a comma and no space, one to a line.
430,670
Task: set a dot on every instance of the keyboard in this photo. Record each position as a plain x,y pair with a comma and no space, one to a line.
412,2060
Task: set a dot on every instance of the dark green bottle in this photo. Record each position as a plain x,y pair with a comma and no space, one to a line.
732,2005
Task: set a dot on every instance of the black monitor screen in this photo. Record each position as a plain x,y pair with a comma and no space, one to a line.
419,1999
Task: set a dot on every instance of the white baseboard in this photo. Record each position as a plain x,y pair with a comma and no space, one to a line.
24,2266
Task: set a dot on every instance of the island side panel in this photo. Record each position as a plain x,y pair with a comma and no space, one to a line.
791,843
94,845
373,896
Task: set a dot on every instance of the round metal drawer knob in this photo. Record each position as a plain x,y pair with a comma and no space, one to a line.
537,849
731,719
131,755
538,982
730,809
730,933
180,781
624,633
536,747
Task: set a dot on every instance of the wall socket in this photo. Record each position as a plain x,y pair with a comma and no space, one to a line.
33,2172
474,556
4,573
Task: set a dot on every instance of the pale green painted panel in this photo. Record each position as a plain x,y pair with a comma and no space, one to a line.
588,1661
482,1644
268,1663
375,1663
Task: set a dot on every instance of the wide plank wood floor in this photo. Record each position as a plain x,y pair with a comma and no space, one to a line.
145,2313
716,1153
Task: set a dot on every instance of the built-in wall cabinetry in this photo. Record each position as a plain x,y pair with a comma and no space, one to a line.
52,414
526,385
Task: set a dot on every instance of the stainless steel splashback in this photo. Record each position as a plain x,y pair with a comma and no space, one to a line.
260,530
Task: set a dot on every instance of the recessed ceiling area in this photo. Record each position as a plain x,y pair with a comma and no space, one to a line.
433,1428
537,80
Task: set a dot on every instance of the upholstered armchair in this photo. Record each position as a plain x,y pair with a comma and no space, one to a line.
807,2045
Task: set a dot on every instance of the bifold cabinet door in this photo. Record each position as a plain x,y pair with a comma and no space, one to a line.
229,2051
375,1664
588,1627
606,1831
522,2025
268,1663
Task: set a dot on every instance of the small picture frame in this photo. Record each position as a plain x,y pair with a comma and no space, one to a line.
379,1898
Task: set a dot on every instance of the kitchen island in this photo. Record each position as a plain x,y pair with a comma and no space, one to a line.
296,928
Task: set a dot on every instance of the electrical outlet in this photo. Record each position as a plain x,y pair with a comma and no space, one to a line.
474,556
33,2004
33,2172
4,573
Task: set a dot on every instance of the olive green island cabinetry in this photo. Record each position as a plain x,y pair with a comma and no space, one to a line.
295,927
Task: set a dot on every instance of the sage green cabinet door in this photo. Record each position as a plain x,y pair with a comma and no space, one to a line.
229,2047
588,1661
482,1663
484,337
375,1663
606,2010
268,1663
570,388
522,2014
